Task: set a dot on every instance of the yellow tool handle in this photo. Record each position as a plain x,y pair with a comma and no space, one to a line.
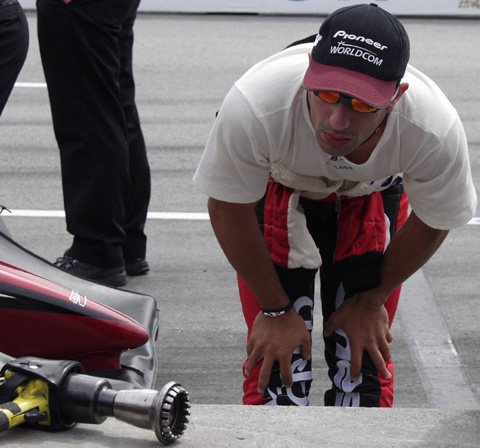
30,405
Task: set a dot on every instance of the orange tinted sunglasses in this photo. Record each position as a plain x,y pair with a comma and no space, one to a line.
354,104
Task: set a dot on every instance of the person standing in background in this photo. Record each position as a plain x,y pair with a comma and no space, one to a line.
14,40
86,48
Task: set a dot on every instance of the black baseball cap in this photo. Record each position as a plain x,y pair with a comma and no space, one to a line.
360,51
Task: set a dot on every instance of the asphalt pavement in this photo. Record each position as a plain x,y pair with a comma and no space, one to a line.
184,66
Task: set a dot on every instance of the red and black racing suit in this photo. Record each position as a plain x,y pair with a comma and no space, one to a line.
351,242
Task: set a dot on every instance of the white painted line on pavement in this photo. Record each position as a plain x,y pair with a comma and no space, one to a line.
35,85
181,216
150,215
431,347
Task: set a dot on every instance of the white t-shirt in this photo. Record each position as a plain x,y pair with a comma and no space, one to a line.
264,129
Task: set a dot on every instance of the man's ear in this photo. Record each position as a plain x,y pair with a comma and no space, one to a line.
401,90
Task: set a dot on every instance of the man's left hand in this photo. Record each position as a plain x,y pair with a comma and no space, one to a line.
366,325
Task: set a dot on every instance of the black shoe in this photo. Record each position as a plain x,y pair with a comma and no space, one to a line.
109,276
137,267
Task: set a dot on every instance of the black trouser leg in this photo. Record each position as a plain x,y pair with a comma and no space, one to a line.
85,59
139,193
14,39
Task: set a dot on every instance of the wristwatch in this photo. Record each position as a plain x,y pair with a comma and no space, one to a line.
277,312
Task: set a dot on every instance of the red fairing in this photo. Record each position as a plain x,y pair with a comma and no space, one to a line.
41,318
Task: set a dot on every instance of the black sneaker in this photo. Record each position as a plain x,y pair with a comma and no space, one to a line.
137,267
109,276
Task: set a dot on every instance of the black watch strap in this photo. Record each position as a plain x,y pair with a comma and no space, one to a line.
277,312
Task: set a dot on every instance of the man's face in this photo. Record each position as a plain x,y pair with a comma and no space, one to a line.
341,130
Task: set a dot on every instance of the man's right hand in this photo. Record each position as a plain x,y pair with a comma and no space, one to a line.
275,339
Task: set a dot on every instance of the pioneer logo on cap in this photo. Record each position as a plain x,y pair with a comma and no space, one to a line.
359,39
350,49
